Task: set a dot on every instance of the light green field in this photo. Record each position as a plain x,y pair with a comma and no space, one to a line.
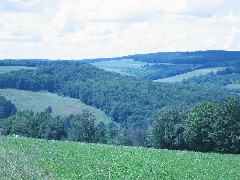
38,102
233,86
179,78
123,66
7,69
23,158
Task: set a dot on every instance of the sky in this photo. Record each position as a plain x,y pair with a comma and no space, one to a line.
80,29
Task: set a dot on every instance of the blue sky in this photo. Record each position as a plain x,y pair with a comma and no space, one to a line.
77,29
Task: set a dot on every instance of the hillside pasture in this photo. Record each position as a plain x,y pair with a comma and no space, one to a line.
39,101
233,86
7,69
179,78
23,158
123,66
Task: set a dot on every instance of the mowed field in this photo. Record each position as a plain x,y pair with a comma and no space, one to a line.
39,101
179,78
233,86
123,66
23,158
7,69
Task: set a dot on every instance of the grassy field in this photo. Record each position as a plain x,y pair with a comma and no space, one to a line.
179,78
7,69
124,66
23,158
38,101
233,86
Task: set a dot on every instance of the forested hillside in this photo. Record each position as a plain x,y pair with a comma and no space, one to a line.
132,103
135,104
125,99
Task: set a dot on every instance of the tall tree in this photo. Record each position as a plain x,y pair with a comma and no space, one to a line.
82,128
6,108
167,129
227,127
199,127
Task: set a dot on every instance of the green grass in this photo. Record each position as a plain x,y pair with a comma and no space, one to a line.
38,102
7,69
23,158
123,66
233,86
179,78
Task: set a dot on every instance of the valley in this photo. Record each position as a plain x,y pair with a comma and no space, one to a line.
149,100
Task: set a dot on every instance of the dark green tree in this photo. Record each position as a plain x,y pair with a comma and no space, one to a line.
227,127
7,109
167,129
53,128
100,135
124,137
82,128
112,133
198,126
48,110
36,122
20,123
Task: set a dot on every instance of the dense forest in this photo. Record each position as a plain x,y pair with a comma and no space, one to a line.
125,99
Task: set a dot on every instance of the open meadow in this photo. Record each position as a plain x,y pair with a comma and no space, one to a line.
233,86
179,78
23,158
39,101
7,69
123,66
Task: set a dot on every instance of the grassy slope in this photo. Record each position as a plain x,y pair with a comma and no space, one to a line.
128,66
30,159
38,101
7,69
233,86
180,77
124,66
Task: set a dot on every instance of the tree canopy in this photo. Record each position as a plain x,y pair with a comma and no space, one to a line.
6,108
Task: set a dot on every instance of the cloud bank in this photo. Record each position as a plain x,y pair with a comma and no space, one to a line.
77,29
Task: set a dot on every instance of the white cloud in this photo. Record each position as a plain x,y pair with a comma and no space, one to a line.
76,29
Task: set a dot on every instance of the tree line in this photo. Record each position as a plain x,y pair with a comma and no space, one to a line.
205,127
42,125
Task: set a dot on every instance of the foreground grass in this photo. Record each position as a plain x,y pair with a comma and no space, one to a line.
40,159
38,102
7,69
